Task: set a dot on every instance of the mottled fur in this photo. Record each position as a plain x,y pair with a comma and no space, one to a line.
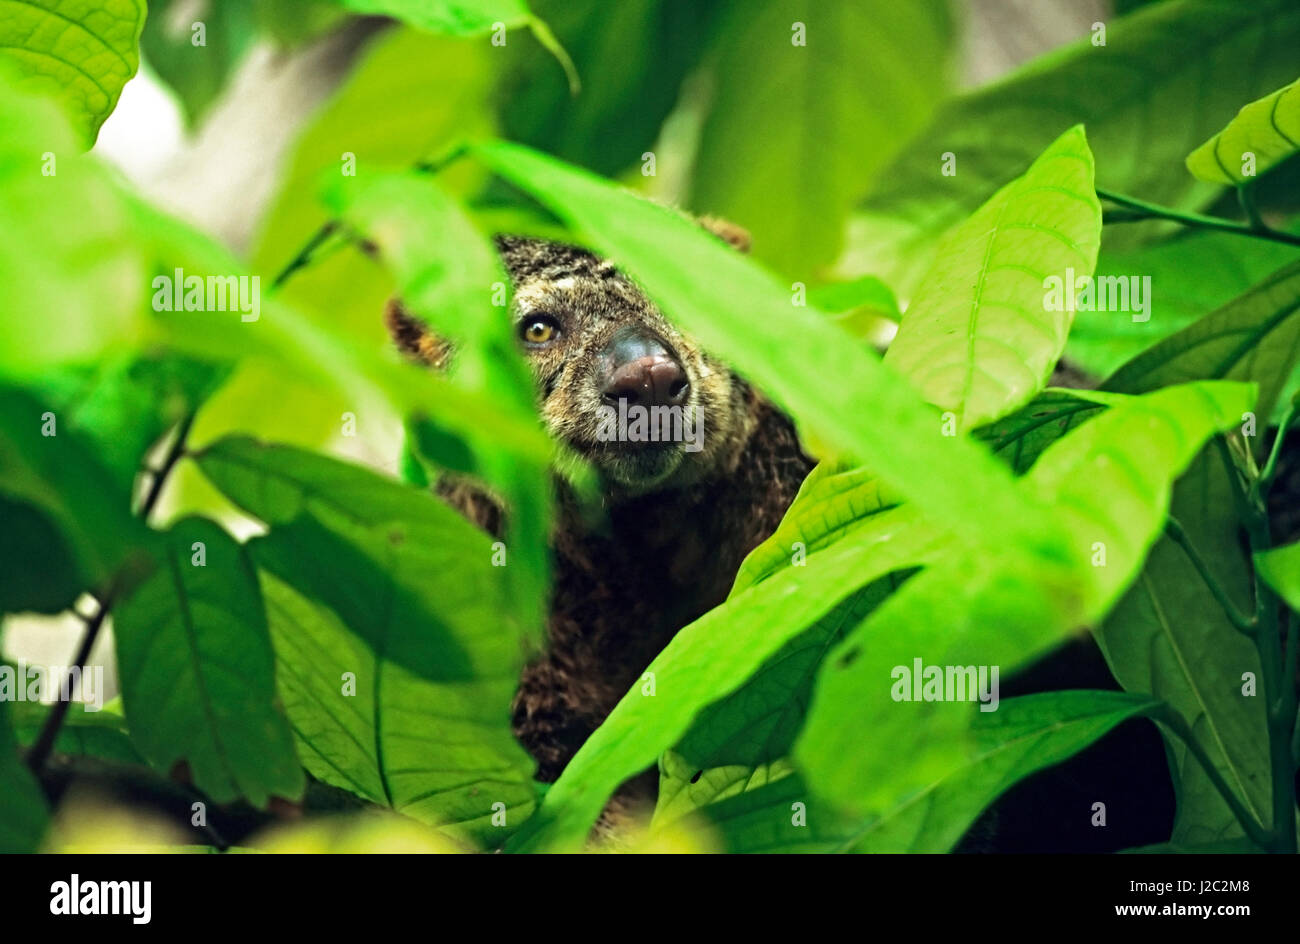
677,523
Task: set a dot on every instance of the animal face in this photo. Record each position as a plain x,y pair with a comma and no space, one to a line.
616,381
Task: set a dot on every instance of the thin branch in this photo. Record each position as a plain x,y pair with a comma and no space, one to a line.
306,254
1269,471
44,745
1152,211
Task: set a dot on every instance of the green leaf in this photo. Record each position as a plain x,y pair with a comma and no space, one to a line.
1109,480
840,391
982,335
636,51
737,743
1023,736
1021,437
198,73
123,405
440,752
1169,74
75,528
23,814
709,659
1267,129
71,291
1190,276
402,568
454,17
1254,337
1001,605
1280,569
469,18
1168,637
197,671
81,51
41,573
847,297
100,734
812,124
830,504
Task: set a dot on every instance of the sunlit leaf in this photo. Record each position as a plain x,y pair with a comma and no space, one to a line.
1266,132
81,51
982,334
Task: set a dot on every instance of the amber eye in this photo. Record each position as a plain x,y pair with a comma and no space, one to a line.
539,329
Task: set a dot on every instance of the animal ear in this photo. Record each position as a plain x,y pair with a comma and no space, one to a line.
414,338
735,236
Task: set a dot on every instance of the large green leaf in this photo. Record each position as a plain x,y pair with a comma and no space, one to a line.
999,606
1168,637
709,659
23,814
73,279
124,404
402,568
370,576
440,752
738,742
82,51
1169,75
837,389
1190,276
74,527
1109,480
982,335
1023,736
1254,337
812,124
636,51
197,672
1268,130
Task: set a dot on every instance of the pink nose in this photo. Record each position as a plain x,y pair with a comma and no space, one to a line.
655,380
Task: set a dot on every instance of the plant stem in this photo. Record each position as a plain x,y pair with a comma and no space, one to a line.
1246,197
1238,619
43,746
1267,474
306,254
1152,211
1174,721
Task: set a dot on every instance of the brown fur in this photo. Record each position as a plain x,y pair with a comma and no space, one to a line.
677,524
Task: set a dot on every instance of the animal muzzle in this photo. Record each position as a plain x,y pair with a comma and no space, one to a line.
638,367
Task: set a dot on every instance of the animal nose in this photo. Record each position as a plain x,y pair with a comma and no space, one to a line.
642,371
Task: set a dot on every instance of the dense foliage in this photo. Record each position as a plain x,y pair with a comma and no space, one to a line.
361,640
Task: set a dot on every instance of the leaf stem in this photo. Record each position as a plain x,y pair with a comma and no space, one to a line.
1242,623
1174,721
43,746
306,254
1267,474
1151,211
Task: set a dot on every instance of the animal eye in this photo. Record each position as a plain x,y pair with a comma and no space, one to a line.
538,329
